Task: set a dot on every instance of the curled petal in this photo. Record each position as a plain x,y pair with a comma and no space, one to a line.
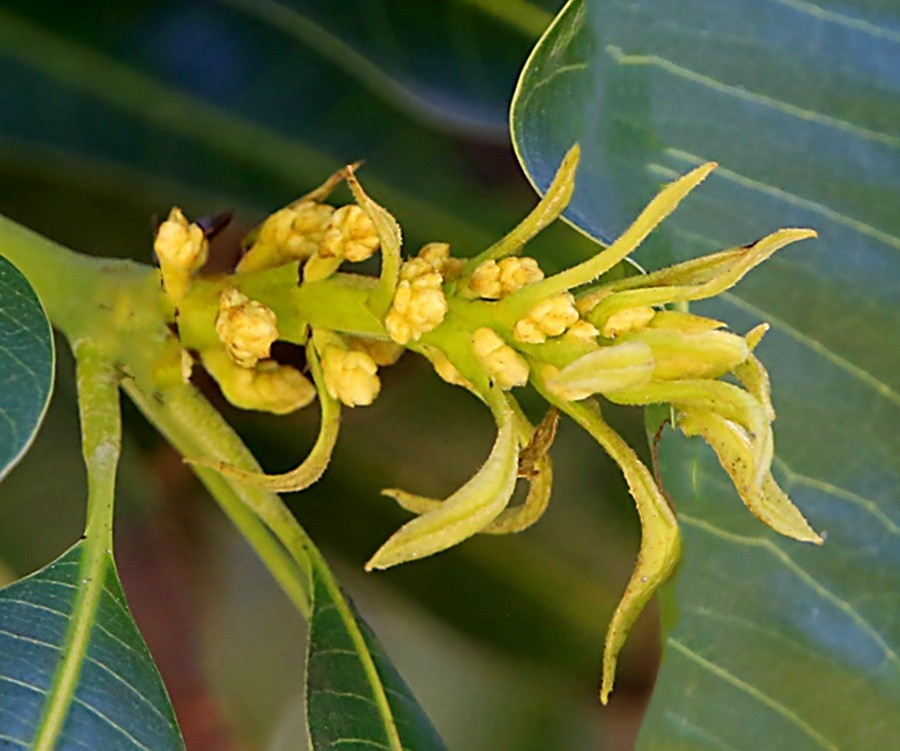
725,399
697,279
534,466
545,213
391,239
583,273
313,467
755,378
769,503
611,368
469,509
660,547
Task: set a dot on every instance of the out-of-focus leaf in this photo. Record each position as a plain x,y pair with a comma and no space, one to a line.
452,63
26,365
119,700
354,696
773,644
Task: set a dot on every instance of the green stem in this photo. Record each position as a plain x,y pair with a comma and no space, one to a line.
55,271
101,430
194,428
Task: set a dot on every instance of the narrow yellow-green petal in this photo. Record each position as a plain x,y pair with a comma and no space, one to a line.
534,466
660,547
657,210
698,279
691,354
725,399
468,510
755,378
611,368
547,211
313,467
769,503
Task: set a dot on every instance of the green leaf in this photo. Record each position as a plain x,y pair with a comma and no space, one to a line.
771,641
119,701
356,699
26,365
451,63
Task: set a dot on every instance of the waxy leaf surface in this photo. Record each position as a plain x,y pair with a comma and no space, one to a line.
26,365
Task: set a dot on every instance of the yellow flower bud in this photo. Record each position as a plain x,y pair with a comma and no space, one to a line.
485,282
630,319
516,272
419,304
550,317
507,367
290,234
247,328
350,377
382,352
437,255
181,249
582,331
446,369
350,234
493,280
267,387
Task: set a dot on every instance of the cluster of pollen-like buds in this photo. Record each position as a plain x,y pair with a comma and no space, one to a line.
506,367
351,375
181,248
490,324
246,327
419,304
493,280
550,317
292,233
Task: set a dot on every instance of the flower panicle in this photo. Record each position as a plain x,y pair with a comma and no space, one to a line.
491,324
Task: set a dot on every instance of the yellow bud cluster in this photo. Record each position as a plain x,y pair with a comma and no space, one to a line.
506,366
550,317
438,257
182,249
419,304
382,352
290,234
350,234
494,280
247,328
351,376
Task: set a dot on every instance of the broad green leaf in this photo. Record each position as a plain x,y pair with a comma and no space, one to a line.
773,644
355,698
119,700
26,365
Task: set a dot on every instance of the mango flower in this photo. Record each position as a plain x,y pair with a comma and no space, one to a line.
491,324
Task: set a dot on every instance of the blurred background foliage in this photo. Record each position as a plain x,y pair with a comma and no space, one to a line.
110,114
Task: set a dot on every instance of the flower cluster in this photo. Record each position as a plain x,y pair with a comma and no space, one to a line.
490,324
